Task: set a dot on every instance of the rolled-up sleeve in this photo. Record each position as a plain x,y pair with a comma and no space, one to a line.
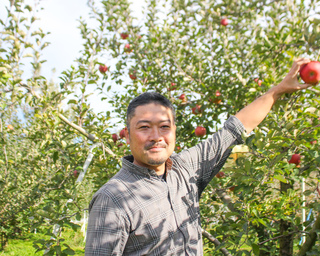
107,230
204,160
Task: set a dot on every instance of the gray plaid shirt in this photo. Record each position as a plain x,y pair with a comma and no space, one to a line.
138,213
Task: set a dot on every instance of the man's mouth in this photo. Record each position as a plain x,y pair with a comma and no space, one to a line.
156,146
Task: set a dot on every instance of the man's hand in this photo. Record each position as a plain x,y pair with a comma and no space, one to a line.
253,114
290,83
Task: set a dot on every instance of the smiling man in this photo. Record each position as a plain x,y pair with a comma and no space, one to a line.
151,206
151,133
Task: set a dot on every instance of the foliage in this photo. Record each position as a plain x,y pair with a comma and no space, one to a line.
178,49
24,245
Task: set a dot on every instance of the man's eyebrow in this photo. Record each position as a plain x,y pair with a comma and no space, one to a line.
148,121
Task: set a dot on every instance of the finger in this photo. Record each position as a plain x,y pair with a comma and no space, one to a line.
305,86
301,61
297,64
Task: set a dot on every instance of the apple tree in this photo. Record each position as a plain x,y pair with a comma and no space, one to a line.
210,70
45,136
210,59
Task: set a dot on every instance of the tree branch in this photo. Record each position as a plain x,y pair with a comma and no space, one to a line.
215,241
76,127
311,238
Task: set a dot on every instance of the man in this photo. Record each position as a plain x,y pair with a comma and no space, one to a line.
151,206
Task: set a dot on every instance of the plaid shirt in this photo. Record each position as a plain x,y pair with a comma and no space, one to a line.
138,213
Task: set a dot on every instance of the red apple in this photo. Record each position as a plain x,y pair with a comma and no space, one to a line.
183,97
232,188
224,22
124,35
295,159
196,110
115,137
220,175
200,131
132,75
310,72
218,94
103,69
75,173
173,86
120,145
128,48
10,127
122,133
258,81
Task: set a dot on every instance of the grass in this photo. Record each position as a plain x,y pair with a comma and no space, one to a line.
23,246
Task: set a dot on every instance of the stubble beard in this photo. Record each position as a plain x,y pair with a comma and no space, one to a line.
154,162
162,160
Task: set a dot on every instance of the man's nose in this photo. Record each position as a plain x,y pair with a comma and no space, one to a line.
155,134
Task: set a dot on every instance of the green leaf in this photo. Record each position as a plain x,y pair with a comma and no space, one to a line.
72,102
280,178
256,249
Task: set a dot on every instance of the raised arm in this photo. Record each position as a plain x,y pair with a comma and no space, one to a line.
253,114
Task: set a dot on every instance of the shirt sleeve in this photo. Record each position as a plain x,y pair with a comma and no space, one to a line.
107,230
204,160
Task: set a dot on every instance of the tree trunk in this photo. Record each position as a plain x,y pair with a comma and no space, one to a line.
311,238
286,241
265,248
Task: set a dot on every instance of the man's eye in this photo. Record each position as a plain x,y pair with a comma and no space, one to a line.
144,127
165,126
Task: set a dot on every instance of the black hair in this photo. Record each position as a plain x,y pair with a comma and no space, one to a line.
147,98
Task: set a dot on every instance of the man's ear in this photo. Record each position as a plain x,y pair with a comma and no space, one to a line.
126,133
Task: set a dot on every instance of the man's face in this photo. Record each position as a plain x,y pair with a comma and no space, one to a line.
152,136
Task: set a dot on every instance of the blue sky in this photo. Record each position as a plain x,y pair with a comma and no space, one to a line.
60,17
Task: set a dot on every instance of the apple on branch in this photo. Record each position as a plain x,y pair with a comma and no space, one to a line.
258,81
132,75
128,48
124,35
220,175
232,188
173,86
75,173
196,110
115,137
103,69
200,131
313,142
295,159
224,22
217,99
122,133
310,72
183,97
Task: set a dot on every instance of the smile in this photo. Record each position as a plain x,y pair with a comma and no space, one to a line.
156,149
